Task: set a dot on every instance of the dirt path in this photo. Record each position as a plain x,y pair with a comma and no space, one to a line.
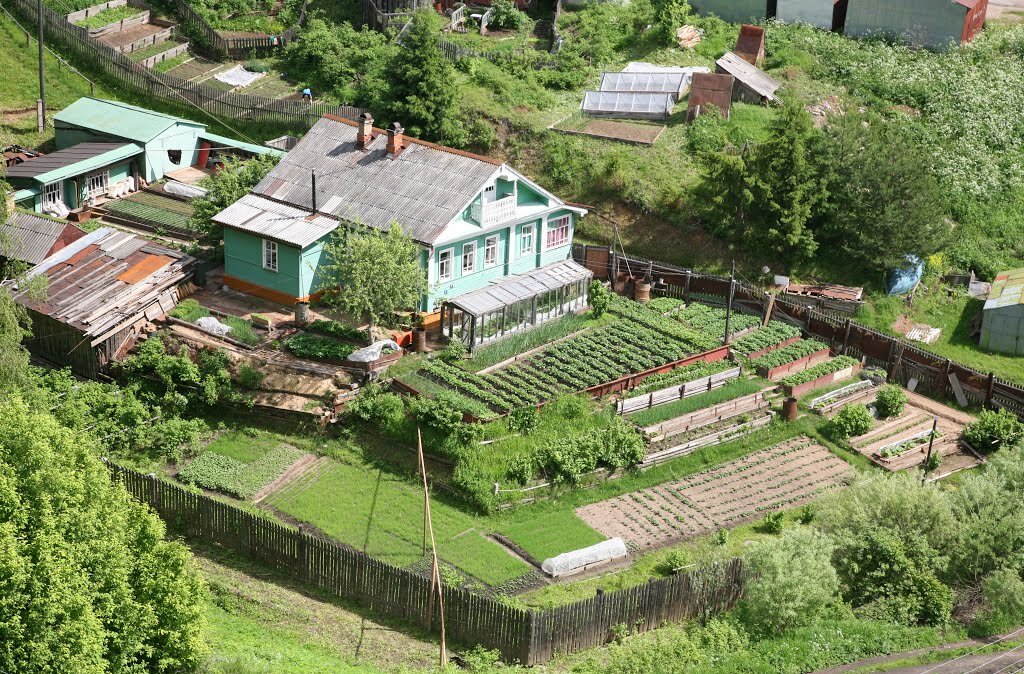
1012,10
303,465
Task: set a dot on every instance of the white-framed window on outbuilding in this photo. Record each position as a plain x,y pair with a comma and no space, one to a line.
558,232
526,240
491,251
97,183
468,258
444,265
269,255
53,192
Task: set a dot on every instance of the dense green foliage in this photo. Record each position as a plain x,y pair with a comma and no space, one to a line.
505,15
230,184
890,401
994,429
830,366
336,329
599,298
211,470
679,376
852,420
88,583
315,347
774,333
737,388
788,354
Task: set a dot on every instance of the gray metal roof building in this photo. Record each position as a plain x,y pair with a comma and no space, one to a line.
31,238
424,187
276,221
1002,325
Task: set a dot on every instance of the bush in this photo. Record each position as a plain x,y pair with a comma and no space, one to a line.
339,330
504,14
454,351
993,429
890,401
599,298
189,310
249,377
851,421
375,405
523,420
792,582
568,459
675,562
315,347
1003,591
772,523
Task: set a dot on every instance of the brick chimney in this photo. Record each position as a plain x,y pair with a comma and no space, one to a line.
365,134
395,132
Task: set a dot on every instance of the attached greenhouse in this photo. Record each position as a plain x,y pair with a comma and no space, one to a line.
516,303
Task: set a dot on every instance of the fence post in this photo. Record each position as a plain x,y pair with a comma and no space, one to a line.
530,638
846,336
686,288
991,390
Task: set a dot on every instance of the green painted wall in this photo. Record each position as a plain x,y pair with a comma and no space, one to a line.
243,259
815,12
74,194
156,162
930,23
734,11
1002,329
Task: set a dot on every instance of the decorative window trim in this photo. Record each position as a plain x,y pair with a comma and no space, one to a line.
102,179
441,254
468,255
270,255
526,234
559,232
55,188
491,251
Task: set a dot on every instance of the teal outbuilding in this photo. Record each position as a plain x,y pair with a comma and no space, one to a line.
476,220
70,177
937,24
733,11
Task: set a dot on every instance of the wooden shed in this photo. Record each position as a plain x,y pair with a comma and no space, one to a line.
753,85
103,289
710,89
1002,325
937,24
750,44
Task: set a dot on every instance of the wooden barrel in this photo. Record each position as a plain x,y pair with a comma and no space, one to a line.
642,292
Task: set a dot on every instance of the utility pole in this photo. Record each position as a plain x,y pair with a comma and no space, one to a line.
41,105
728,305
435,577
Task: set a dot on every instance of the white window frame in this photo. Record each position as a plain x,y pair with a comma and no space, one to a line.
270,255
468,255
563,222
448,253
491,251
55,188
101,180
490,191
526,234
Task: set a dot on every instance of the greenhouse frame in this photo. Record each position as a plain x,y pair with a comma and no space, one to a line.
627,105
673,84
516,303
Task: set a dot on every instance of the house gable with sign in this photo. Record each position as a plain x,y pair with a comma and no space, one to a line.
475,219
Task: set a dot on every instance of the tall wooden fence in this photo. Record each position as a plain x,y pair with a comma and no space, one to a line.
289,113
527,636
213,40
903,361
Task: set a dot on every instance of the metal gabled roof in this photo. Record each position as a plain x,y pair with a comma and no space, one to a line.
117,119
274,220
749,75
30,238
423,188
73,161
511,290
1007,289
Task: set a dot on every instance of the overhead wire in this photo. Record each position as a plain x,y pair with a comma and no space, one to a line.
976,651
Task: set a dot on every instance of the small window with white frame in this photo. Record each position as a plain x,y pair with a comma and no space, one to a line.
468,258
269,255
444,265
97,183
558,232
53,192
491,251
526,240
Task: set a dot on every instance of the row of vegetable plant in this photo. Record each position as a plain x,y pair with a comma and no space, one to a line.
788,354
828,367
774,333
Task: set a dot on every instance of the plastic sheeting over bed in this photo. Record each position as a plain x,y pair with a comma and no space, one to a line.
568,563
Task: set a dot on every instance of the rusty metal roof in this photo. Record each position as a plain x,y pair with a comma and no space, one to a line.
31,238
108,280
712,89
1007,289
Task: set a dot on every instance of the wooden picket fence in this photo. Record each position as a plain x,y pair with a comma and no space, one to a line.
526,636
287,113
905,363
673,393
215,41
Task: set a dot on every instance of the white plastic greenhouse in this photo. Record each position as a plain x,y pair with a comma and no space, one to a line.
627,105
673,84
577,561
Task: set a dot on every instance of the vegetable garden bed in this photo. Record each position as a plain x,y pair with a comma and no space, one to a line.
776,335
699,418
822,374
833,400
793,358
727,429
154,212
671,393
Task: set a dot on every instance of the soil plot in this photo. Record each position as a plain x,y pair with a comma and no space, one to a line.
782,476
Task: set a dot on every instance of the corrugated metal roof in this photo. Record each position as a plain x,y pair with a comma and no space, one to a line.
89,289
625,104
424,188
118,119
273,220
1007,289
225,142
29,238
513,289
648,82
73,161
751,76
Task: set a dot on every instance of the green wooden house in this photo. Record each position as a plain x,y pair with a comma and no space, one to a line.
72,175
478,222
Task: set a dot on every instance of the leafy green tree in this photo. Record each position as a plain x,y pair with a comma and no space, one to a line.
883,201
994,429
792,581
505,14
423,93
87,583
374,273
14,358
231,183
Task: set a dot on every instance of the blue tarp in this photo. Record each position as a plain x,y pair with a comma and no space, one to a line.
905,278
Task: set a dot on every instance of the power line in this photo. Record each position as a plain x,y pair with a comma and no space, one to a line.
998,657
977,650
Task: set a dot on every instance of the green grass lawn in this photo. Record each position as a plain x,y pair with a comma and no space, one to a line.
552,533
107,16
954,316
244,446
382,514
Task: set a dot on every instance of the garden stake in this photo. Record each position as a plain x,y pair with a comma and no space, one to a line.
931,441
435,578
